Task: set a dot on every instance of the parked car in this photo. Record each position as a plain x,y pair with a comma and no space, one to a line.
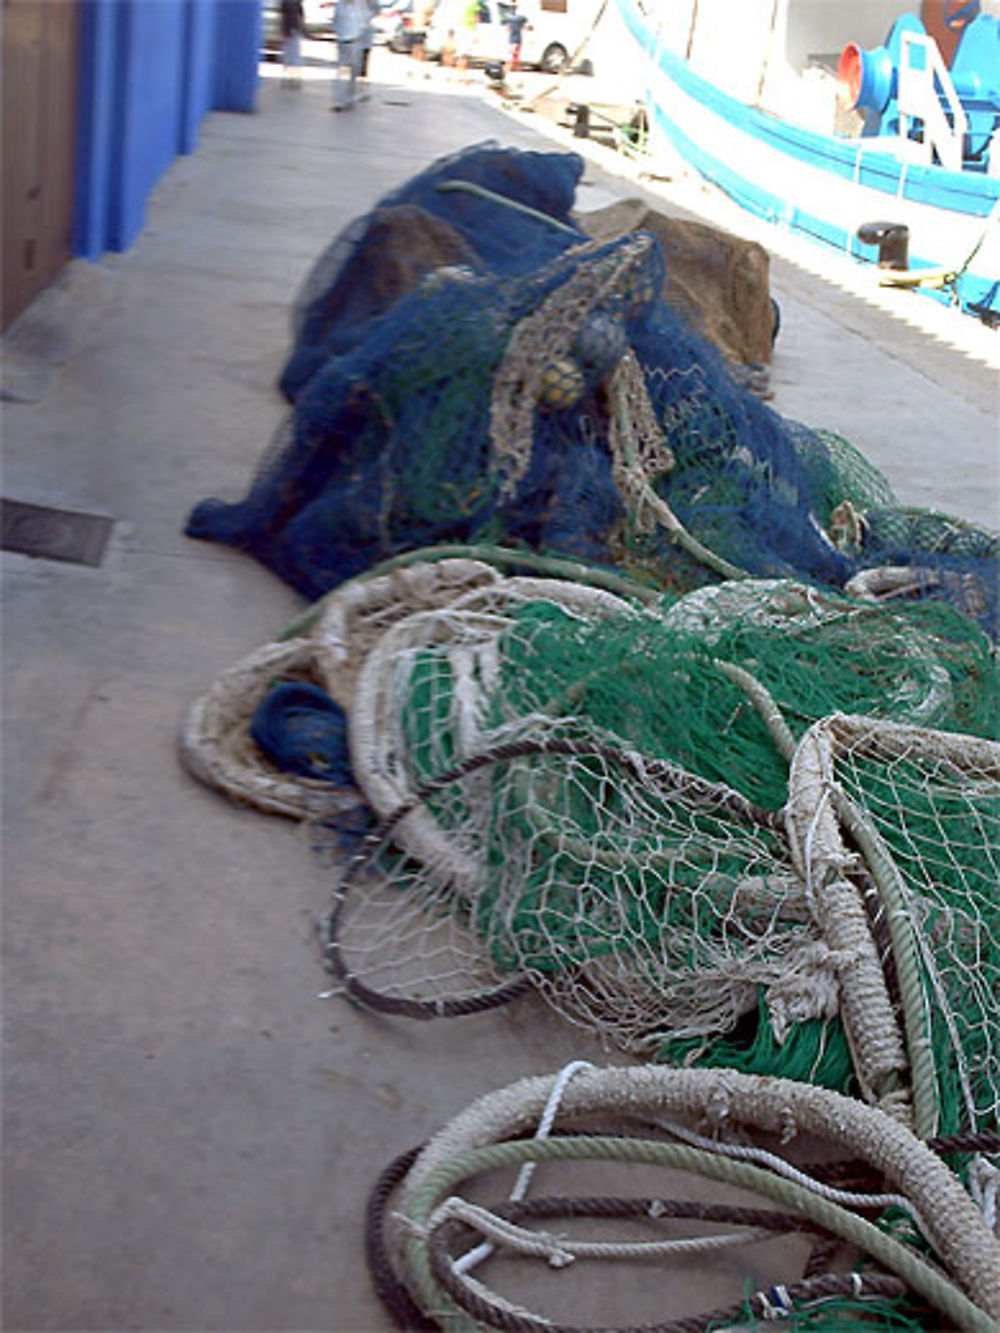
551,37
403,36
389,19
490,39
548,38
318,15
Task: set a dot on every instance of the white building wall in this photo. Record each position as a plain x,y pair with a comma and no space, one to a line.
763,52
824,27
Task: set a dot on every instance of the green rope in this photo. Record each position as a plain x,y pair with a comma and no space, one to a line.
769,712
680,536
943,1294
481,192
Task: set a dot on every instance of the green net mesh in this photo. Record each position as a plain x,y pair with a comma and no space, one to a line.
625,840
937,814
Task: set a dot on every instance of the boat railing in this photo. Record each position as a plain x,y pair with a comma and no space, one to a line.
926,93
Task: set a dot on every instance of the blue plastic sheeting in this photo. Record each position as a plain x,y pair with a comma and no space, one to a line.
150,70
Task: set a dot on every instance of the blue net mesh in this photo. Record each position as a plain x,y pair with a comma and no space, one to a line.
459,375
303,731
429,224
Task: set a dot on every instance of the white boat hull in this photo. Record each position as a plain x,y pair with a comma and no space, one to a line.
821,185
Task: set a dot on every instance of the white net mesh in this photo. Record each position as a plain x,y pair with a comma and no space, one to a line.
931,802
641,900
595,800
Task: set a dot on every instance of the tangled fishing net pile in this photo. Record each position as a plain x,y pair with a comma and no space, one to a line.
625,691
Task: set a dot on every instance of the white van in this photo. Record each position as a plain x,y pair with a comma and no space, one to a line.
550,37
554,31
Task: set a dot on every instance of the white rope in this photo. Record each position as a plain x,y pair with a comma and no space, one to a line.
560,1251
746,1153
812,820
540,1243
473,1257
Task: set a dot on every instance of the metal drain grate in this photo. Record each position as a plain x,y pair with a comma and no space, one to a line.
53,534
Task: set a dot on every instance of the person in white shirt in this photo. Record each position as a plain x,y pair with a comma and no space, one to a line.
292,26
350,18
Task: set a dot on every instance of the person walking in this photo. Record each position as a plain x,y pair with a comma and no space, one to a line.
368,37
465,35
515,28
349,20
292,26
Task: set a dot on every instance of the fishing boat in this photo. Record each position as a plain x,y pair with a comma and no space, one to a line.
888,152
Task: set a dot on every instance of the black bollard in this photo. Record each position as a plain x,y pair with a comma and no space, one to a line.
581,120
892,239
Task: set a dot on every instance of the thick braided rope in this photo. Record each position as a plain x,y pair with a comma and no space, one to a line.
823,861
863,1202
542,337
214,741
900,739
863,1004
388,1288
639,454
911,1267
482,553
616,1207
407,1314
767,709
961,751
353,616
330,642
718,1097
560,1250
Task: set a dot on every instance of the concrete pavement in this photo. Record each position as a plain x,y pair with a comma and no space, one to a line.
190,1132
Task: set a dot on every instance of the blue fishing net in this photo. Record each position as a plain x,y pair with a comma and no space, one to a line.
303,730
466,388
435,219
